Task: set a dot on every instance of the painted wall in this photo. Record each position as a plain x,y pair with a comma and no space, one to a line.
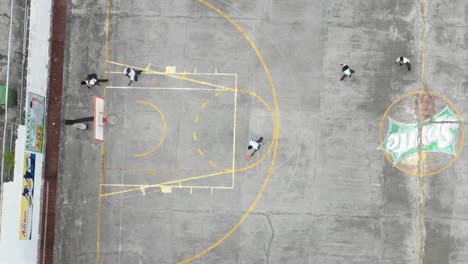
22,198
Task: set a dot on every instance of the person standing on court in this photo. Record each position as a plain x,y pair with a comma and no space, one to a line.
255,145
347,71
92,80
403,60
132,74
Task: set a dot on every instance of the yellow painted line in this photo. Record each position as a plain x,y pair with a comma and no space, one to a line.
204,104
180,186
200,187
273,146
221,87
194,136
423,30
196,119
101,171
274,117
151,72
420,148
125,185
144,187
124,191
149,171
275,122
161,140
274,139
161,169
212,163
218,93
420,219
164,183
201,152
175,76
148,67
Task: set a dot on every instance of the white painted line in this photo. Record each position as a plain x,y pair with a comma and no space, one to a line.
164,88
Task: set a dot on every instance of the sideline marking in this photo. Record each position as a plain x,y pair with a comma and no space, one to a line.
163,133
101,173
420,149
423,30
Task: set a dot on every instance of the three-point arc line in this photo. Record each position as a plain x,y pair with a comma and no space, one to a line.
272,147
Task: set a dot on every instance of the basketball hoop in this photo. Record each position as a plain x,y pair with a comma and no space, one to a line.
110,120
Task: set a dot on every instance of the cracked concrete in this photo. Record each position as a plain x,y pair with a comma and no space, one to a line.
267,253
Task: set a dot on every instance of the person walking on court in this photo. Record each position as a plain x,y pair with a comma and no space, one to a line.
347,71
92,80
132,74
255,145
403,60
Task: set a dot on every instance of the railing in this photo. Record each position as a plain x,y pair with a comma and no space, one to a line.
9,154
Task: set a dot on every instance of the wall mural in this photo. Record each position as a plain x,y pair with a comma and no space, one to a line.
35,123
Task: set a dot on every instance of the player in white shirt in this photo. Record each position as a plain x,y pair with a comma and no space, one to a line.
347,71
132,74
92,80
255,145
403,60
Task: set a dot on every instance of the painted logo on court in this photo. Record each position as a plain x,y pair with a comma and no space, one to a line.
424,133
438,135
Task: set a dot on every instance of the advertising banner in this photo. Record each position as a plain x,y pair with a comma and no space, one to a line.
35,118
27,196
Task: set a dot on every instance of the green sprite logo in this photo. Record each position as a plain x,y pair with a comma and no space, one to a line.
438,135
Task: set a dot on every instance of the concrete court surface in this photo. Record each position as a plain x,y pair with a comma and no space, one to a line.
171,182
